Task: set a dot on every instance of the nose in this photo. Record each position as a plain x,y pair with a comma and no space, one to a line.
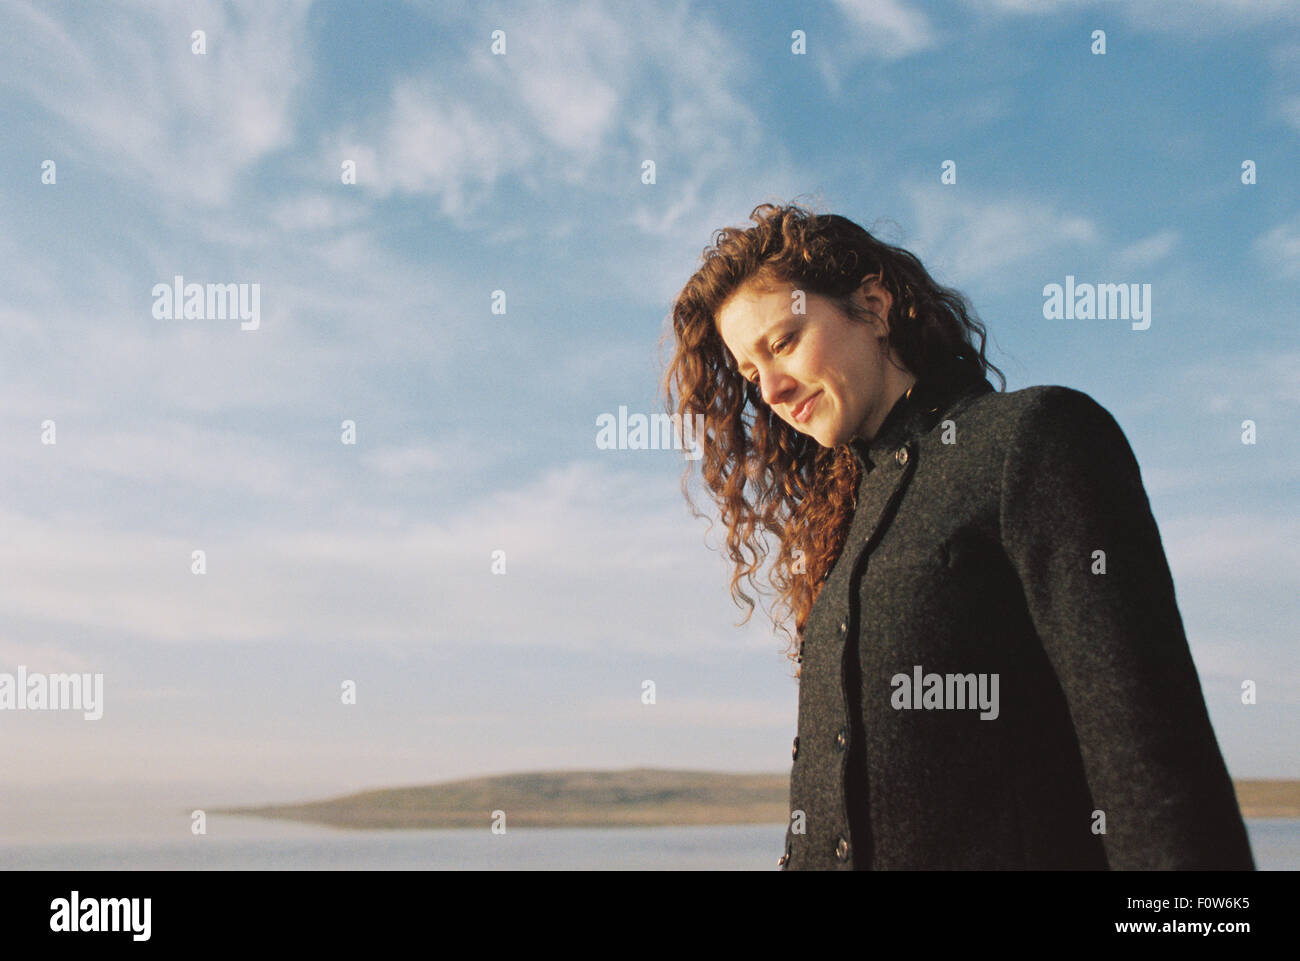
777,387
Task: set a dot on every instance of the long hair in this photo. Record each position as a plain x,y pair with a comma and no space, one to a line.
765,476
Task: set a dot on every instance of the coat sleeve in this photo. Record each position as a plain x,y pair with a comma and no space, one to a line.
1071,487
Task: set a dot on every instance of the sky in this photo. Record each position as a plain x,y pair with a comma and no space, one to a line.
475,428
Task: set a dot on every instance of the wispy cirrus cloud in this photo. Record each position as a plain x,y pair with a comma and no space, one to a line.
1278,248
1147,250
584,100
621,543
890,29
136,101
1194,17
973,237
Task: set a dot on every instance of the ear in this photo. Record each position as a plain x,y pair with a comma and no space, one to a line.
878,301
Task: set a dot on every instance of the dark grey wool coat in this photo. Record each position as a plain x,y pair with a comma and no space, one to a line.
972,552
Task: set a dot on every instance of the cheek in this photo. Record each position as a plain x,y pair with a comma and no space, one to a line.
849,372
818,361
826,367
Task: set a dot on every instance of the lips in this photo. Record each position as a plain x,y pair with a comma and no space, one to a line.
804,410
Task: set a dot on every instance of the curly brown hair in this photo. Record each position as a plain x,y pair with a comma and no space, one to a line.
799,491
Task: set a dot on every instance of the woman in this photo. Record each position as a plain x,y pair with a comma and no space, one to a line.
992,667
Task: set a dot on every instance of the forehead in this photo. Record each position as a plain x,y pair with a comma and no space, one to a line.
750,311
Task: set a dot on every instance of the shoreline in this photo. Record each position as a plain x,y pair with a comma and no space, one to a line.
641,797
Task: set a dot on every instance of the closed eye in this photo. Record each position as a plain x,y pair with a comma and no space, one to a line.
776,349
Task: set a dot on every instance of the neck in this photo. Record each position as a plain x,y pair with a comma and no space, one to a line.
897,384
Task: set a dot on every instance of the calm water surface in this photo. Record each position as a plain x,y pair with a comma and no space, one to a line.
236,843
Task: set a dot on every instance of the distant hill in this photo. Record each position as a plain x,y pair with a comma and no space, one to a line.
1268,799
639,797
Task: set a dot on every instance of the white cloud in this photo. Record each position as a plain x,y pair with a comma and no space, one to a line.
1148,250
568,71
1191,17
138,101
1251,381
595,556
316,211
545,108
888,29
582,101
1284,86
433,141
44,658
969,239
1035,7
1209,18
422,459
1289,109
1244,547
1279,248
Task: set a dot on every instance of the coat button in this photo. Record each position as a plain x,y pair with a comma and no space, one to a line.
901,456
842,849
844,628
794,750
841,739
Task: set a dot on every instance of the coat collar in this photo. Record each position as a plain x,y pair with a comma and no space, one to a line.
915,412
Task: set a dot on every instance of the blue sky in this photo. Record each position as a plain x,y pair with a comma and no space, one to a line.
476,430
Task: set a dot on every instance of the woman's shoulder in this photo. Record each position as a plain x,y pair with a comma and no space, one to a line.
1041,414
1042,403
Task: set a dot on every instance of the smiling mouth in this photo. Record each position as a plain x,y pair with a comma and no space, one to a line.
802,412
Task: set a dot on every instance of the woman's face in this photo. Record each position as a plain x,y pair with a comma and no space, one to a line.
823,373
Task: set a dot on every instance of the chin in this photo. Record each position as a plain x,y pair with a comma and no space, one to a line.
824,438
829,437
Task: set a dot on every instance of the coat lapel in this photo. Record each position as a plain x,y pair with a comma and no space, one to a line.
890,459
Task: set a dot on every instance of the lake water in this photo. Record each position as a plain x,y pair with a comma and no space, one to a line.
237,843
